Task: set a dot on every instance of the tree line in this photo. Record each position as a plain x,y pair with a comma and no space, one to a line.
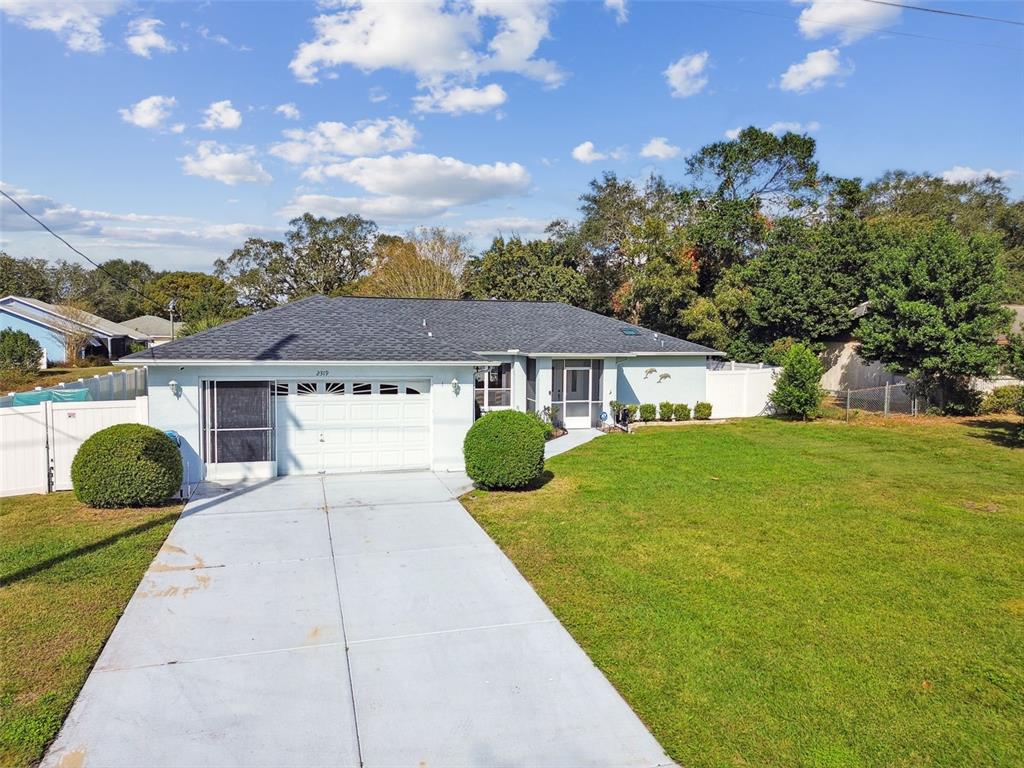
758,248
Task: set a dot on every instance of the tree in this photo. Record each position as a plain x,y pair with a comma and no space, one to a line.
934,308
798,389
319,255
71,330
24,277
531,270
427,263
200,300
758,165
108,295
19,351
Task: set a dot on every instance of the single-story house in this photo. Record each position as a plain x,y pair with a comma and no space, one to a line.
362,384
48,324
158,329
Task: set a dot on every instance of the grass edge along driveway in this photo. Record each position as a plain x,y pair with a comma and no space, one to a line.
775,594
67,573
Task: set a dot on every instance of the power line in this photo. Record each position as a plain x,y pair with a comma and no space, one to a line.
946,13
914,35
69,245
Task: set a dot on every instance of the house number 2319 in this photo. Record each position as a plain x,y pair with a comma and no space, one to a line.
323,373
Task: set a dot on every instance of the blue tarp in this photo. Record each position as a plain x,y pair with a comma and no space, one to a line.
56,395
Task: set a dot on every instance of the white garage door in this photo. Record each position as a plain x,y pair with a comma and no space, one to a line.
352,426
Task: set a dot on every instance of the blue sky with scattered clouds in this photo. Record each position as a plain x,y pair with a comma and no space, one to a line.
171,131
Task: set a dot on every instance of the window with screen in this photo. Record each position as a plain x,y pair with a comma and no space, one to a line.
238,421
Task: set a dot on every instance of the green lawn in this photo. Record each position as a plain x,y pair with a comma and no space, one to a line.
767,593
16,381
67,572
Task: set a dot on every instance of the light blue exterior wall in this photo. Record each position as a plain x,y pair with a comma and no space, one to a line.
656,379
53,346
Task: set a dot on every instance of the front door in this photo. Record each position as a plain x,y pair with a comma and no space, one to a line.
577,397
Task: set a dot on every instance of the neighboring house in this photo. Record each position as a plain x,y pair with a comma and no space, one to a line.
158,329
48,324
350,384
845,369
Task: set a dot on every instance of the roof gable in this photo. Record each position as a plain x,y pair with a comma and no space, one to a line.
51,315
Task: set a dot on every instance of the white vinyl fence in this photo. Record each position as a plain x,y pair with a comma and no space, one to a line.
38,442
116,385
736,390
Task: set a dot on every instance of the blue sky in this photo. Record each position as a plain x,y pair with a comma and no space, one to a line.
171,131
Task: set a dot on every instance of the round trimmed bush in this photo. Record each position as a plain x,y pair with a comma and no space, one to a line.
504,449
126,465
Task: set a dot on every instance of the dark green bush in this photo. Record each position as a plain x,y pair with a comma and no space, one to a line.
1003,399
665,411
504,449
127,465
798,390
681,411
702,411
545,427
19,351
631,411
647,412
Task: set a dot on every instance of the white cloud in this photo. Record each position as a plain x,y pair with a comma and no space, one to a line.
444,45
457,100
586,153
77,24
687,77
288,111
150,112
215,161
505,225
178,128
144,37
850,20
964,173
220,114
780,127
659,148
378,94
109,233
331,140
814,71
214,37
413,185
618,7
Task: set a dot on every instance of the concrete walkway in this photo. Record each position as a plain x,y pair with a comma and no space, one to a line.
343,621
572,439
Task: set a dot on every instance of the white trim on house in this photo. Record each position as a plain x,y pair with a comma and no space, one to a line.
129,333
583,355
253,363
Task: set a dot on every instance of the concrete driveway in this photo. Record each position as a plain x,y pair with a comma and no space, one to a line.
342,621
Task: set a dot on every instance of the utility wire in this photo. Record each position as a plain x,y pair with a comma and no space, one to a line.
69,245
786,17
946,13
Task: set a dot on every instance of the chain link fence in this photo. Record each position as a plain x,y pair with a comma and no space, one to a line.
886,400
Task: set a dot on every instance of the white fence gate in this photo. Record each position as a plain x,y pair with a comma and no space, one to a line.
39,442
736,392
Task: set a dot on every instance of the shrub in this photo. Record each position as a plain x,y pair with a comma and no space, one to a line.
617,409
1003,399
647,412
681,411
631,412
504,449
546,428
798,389
127,465
665,411
702,411
19,351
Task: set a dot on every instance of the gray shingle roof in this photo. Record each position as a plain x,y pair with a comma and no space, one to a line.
151,325
352,328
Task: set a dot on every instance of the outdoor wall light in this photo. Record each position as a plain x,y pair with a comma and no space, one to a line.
456,387
175,388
